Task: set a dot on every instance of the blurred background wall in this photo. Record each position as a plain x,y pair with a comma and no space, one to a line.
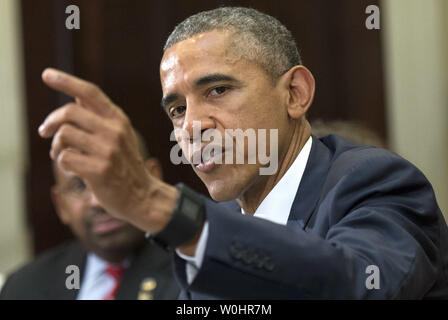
392,81
14,240
415,35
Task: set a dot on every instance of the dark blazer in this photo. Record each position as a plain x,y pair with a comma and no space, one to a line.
356,206
45,277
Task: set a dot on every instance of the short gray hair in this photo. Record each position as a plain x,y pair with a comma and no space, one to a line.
260,37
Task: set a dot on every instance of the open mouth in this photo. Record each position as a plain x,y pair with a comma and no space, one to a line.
103,224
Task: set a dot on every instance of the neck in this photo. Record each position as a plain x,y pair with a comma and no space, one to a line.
116,255
259,189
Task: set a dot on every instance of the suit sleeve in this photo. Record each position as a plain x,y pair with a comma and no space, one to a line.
12,288
379,212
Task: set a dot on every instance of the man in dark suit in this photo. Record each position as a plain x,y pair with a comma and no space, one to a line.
334,220
110,259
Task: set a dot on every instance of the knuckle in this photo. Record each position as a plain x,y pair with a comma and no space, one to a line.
124,118
104,168
111,152
119,133
64,132
57,141
114,136
55,145
64,158
122,130
67,112
70,110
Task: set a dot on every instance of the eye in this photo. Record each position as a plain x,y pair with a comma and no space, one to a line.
77,185
177,111
218,91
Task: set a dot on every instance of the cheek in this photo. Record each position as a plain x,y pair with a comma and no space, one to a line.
258,109
75,215
272,111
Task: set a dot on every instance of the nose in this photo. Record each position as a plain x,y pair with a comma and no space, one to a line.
93,200
197,119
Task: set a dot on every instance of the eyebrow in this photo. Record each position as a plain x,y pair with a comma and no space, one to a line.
202,81
166,101
211,78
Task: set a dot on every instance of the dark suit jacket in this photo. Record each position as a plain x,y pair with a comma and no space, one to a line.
45,277
356,206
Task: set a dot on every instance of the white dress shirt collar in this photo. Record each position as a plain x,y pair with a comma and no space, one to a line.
278,203
96,283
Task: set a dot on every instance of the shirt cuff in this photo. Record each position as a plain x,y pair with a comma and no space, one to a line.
194,263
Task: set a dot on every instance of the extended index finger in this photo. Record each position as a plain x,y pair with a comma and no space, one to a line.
90,95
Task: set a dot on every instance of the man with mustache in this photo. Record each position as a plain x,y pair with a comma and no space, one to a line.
336,220
112,256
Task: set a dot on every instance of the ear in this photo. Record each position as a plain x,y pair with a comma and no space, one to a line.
300,85
154,167
58,204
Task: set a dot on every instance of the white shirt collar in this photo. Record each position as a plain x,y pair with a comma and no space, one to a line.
95,265
96,283
277,204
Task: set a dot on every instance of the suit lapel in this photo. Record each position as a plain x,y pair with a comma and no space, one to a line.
75,255
141,264
149,273
310,187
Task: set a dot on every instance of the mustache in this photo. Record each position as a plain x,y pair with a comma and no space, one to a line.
94,213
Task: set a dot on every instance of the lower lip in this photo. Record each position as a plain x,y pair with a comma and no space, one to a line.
206,166
107,226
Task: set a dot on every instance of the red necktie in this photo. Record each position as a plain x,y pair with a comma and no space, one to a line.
115,272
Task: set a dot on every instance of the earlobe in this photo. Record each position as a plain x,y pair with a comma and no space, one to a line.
301,91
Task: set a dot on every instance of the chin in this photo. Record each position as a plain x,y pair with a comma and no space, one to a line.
125,237
221,191
227,182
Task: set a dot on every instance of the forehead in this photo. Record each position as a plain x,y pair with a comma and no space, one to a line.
196,55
